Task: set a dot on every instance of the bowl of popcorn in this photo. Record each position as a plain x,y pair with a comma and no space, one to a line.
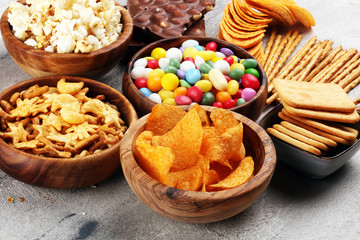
197,164
62,131
203,70
82,38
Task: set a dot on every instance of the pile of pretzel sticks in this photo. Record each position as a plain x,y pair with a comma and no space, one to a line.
316,61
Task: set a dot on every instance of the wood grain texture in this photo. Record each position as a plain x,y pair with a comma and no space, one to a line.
38,63
201,207
251,109
68,172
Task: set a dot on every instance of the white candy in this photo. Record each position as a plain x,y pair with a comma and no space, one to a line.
138,72
141,62
155,97
187,65
190,43
174,52
163,62
223,66
147,71
220,54
198,61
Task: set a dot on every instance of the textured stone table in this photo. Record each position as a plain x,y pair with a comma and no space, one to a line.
292,207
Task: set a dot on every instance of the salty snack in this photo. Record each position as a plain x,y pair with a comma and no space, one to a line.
78,26
200,153
167,18
208,75
60,121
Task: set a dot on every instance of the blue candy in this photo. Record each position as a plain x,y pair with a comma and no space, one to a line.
193,75
145,91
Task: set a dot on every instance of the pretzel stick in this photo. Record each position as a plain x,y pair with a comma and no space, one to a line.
272,52
278,51
312,63
349,78
303,62
323,64
345,66
346,72
269,45
317,77
272,98
357,101
352,84
327,49
290,46
337,65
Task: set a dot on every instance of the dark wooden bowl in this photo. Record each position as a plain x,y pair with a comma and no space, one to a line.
201,207
65,172
143,105
39,63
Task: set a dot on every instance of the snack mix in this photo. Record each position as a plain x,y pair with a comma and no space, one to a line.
60,121
67,26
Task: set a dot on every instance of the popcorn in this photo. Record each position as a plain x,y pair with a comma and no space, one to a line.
66,26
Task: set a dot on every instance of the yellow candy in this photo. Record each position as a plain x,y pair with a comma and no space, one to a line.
158,53
206,55
165,94
204,85
237,65
218,79
205,76
156,72
190,52
215,59
170,81
149,58
170,101
236,59
233,87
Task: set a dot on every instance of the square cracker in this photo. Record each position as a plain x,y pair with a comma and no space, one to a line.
316,96
352,117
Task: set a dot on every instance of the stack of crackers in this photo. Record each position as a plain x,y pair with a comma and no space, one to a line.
313,115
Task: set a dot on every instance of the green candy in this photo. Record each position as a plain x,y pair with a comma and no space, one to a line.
240,101
253,71
171,69
174,62
205,68
249,63
211,63
208,99
236,74
184,83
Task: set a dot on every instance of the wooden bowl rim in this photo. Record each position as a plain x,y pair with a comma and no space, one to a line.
263,84
71,160
126,34
266,171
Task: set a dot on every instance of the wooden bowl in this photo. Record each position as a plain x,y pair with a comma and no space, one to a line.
143,105
201,207
39,63
65,172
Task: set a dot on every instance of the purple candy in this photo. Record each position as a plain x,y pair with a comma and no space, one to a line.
248,93
182,49
181,74
227,51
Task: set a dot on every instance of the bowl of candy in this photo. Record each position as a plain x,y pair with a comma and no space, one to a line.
62,38
195,163
62,131
186,70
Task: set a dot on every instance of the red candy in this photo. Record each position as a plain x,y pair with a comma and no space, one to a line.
230,60
153,64
229,103
190,59
228,79
211,46
250,81
141,83
238,94
183,100
195,93
218,105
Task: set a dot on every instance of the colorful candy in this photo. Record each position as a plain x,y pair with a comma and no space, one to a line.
194,73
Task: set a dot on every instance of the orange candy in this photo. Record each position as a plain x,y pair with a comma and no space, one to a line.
154,83
180,91
222,96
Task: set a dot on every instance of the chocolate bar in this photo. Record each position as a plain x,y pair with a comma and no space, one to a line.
167,18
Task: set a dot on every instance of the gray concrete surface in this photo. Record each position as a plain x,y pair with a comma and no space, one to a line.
292,207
